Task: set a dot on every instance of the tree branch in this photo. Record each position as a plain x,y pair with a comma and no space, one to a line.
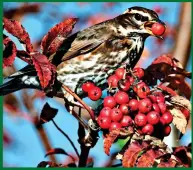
44,137
80,101
68,138
183,41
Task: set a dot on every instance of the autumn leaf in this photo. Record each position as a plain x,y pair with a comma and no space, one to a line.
109,139
167,89
147,159
9,52
45,70
131,154
16,29
47,113
182,153
167,164
55,37
180,101
179,120
177,82
165,58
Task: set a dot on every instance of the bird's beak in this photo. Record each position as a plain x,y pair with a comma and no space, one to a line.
148,27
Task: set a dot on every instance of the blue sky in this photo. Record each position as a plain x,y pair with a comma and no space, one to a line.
27,151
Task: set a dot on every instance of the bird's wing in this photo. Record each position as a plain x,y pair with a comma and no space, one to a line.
88,40
81,47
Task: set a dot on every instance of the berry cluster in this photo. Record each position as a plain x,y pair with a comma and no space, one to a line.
94,92
134,104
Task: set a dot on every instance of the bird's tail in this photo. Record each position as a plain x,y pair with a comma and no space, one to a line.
20,80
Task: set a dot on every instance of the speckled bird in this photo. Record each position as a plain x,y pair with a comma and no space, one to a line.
94,53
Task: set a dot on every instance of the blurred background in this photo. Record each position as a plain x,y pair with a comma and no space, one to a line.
23,144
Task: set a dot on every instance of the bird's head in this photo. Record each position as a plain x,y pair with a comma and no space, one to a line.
138,20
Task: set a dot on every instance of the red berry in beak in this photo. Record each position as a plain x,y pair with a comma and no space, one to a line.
158,29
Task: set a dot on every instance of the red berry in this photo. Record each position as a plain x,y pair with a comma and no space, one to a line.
153,117
160,99
158,29
113,81
143,92
126,121
106,111
109,101
140,119
115,125
186,113
148,129
124,109
124,85
167,130
131,80
167,118
138,72
95,93
145,105
120,72
87,86
133,105
155,107
121,97
139,85
104,122
152,98
162,107
116,115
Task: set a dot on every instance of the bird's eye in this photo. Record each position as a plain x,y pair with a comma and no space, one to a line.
144,19
138,17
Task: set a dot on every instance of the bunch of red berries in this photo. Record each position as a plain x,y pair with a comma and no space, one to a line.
134,104
94,92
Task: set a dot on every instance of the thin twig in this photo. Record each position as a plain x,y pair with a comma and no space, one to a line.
76,151
44,138
81,121
79,100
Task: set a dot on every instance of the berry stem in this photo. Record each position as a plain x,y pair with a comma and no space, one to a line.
80,101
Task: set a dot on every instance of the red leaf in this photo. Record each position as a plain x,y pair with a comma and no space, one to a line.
131,154
45,70
163,59
169,163
167,89
47,113
147,159
181,152
177,82
54,38
17,30
9,52
25,56
108,141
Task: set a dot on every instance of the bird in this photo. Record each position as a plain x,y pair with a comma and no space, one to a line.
92,54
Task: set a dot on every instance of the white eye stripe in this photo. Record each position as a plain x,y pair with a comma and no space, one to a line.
141,13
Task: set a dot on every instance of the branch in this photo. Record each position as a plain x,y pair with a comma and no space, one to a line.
68,138
44,137
183,41
88,142
80,101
